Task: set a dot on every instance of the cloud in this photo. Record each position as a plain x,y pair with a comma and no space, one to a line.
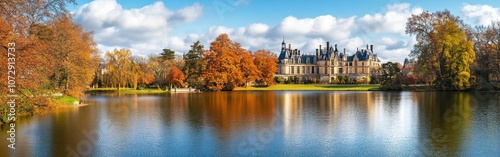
386,31
481,14
138,29
325,26
149,29
393,21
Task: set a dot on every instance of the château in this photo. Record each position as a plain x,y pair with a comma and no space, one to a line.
327,63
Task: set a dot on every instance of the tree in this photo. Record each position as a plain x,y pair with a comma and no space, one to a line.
135,73
444,51
176,77
487,47
247,66
222,65
266,62
194,65
118,65
76,54
167,54
391,77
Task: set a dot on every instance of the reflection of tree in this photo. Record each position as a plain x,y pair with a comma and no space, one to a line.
239,111
447,115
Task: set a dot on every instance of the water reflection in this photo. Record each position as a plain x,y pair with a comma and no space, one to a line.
280,123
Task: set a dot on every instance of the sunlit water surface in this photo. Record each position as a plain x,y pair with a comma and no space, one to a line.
275,123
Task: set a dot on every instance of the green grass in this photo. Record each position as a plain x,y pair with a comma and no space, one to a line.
66,100
127,90
311,87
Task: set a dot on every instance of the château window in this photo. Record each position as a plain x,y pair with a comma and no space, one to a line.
303,69
307,61
293,70
298,70
312,70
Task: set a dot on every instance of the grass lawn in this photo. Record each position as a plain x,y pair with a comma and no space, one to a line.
310,87
66,100
128,90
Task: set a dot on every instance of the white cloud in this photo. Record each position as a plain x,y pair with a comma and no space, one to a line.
139,29
393,21
325,26
148,30
481,14
386,31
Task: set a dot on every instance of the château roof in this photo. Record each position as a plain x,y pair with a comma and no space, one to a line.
325,54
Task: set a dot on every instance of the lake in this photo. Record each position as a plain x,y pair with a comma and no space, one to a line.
268,123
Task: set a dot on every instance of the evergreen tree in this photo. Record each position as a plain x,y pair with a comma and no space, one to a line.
194,65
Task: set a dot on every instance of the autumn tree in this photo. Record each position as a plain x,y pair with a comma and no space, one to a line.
222,70
443,50
75,55
135,71
247,67
194,65
487,47
53,54
118,65
266,63
175,77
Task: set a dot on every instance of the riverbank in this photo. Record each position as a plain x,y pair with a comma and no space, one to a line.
126,91
309,87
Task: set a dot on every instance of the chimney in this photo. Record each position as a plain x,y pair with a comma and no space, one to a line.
299,52
366,46
371,48
335,46
320,50
317,53
327,46
344,52
290,46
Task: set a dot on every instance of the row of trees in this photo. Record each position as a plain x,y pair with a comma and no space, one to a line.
450,55
224,66
52,53
228,65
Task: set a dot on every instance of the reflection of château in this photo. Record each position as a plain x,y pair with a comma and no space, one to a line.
327,63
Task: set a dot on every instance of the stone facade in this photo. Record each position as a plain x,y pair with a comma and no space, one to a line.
327,63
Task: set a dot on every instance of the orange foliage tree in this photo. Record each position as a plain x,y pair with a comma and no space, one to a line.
176,77
222,70
247,66
266,63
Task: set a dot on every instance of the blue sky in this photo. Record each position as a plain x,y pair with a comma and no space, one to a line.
147,26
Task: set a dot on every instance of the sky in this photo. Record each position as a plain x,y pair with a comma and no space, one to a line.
148,26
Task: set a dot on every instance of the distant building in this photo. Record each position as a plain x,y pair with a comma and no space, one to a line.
327,63
408,67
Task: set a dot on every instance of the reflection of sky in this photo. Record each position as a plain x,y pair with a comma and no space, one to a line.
346,123
310,123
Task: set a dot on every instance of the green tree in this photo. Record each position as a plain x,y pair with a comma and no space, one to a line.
391,77
443,50
193,67
167,54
